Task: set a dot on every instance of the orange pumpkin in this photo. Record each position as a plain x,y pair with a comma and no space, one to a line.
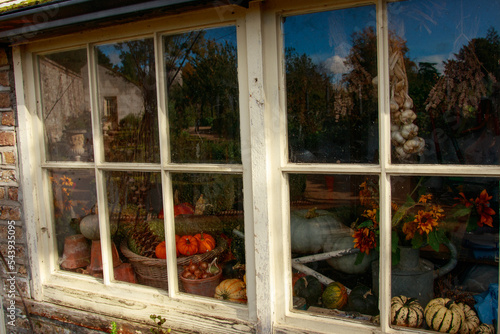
187,245
183,209
206,242
160,250
232,289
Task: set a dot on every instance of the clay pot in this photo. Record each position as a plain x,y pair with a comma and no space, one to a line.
76,252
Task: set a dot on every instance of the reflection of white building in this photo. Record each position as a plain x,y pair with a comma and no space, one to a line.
66,95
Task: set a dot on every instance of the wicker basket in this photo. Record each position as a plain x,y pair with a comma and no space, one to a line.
153,272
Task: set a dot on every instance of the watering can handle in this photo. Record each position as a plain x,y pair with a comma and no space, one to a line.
451,264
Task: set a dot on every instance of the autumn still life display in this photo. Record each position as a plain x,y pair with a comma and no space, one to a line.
417,222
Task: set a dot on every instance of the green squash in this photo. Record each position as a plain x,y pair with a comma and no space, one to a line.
335,296
310,229
406,312
362,300
444,315
309,288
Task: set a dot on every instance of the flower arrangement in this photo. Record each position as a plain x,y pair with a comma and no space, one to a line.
416,223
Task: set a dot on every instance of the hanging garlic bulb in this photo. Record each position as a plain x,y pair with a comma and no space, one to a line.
404,134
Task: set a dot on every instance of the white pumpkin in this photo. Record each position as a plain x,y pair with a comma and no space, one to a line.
309,230
346,263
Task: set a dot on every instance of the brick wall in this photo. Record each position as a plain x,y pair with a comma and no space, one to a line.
12,237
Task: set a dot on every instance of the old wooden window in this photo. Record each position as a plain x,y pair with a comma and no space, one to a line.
319,142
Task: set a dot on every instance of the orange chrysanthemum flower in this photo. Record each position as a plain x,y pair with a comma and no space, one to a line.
364,240
425,198
425,222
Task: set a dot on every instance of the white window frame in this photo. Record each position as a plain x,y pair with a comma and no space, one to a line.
264,168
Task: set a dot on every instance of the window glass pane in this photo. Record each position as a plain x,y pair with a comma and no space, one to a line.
203,107
73,201
127,101
444,74
209,230
333,243
135,208
331,70
445,245
64,89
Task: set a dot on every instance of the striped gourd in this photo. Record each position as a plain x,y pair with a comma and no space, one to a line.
406,312
444,315
471,322
485,329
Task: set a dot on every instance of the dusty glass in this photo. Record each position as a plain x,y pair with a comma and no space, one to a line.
203,97
210,234
331,91
127,101
444,74
333,222
73,201
65,105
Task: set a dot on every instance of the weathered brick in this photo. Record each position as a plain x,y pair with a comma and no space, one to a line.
9,158
3,58
7,139
8,119
4,232
4,79
15,213
8,176
2,193
13,193
5,100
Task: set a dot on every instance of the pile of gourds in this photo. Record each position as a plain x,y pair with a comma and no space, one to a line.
440,314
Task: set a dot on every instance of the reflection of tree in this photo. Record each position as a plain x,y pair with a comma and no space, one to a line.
307,99
204,95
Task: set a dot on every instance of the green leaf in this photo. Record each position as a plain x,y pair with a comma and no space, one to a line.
472,223
462,212
402,211
395,257
359,258
394,241
417,241
366,223
434,240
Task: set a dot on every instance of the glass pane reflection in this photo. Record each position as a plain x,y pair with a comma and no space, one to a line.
445,245
444,81
209,228
202,82
135,204
65,105
331,70
127,101
333,219
73,200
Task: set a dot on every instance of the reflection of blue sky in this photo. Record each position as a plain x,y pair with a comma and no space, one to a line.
326,37
434,29
219,34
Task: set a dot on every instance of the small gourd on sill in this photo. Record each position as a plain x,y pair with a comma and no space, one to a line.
335,296
444,315
309,288
362,300
406,312
471,322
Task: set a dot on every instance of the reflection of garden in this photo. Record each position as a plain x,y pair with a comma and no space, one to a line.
454,112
